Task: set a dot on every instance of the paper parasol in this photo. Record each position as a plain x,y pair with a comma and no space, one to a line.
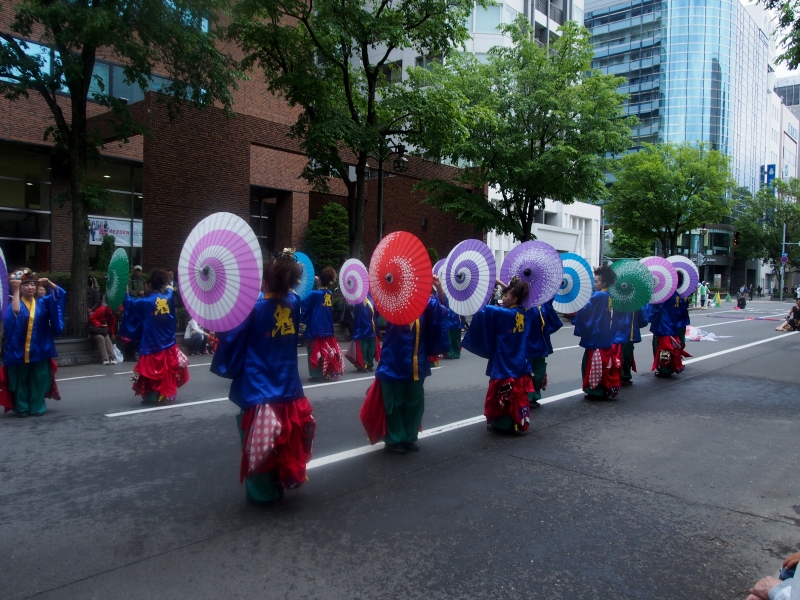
540,265
633,288
469,277
665,278
307,279
691,277
3,285
400,277
220,271
118,275
438,268
577,284
354,281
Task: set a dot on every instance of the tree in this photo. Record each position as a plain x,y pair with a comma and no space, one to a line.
539,121
331,60
326,237
107,249
788,12
627,246
140,34
760,224
663,191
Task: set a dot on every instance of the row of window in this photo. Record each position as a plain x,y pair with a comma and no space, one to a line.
112,76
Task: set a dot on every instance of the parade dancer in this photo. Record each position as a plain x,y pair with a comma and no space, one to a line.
666,325
324,355
544,322
400,376
453,325
365,349
627,332
30,325
500,334
600,367
162,367
276,423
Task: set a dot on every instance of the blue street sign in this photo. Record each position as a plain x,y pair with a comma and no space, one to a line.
784,258
770,173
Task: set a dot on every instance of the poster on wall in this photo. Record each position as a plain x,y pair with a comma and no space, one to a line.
119,228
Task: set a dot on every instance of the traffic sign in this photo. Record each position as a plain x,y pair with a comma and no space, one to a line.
784,258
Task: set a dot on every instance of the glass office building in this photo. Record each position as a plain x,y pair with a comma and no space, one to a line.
695,70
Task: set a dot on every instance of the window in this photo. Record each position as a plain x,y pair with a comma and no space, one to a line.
41,53
263,208
427,61
488,19
393,71
511,14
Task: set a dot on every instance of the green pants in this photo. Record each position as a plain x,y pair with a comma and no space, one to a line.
598,392
315,373
539,370
404,402
28,383
368,351
263,487
504,423
455,343
627,361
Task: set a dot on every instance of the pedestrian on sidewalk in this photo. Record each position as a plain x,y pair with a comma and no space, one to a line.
162,367
30,327
600,368
702,290
276,422
500,334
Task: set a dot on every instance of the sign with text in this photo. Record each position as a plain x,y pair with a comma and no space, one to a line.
126,233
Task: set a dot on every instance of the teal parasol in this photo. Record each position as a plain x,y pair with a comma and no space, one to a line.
633,288
117,278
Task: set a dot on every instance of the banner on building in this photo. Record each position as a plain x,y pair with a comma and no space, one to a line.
126,233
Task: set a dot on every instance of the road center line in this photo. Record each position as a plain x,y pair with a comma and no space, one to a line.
81,377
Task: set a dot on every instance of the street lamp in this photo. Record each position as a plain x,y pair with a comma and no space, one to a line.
400,166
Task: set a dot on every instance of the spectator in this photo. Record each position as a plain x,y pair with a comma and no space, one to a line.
92,295
136,284
702,290
758,291
772,588
171,282
102,329
195,338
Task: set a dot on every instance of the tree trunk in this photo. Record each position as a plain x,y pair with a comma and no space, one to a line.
356,217
77,150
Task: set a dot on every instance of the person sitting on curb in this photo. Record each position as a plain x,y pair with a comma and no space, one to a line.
195,338
782,588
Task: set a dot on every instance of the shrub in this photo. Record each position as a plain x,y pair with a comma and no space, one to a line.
433,255
327,237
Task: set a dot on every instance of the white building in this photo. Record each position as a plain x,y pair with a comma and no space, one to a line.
567,227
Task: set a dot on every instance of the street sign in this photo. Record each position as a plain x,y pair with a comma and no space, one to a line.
784,258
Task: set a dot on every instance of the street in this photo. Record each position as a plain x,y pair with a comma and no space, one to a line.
680,488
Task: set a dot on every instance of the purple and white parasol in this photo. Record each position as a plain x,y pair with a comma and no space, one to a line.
438,268
354,281
664,275
539,264
220,271
468,277
691,277
3,285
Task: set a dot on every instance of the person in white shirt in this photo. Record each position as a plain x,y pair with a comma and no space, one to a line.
195,338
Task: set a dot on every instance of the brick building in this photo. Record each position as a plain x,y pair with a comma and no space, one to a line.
200,163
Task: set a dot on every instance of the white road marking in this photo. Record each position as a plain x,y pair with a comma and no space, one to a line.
81,377
185,404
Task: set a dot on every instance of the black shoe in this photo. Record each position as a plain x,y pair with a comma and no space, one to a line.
360,370
535,404
22,414
370,369
411,446
315,378
627,383
395,448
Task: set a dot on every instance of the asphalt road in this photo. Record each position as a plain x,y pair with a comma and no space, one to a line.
681,488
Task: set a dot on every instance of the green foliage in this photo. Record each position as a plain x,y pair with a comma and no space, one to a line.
538,122
326,237
666,190
627,246
788,13
141,34
760,224
433,255
107,249
61,279
331,60
182,317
